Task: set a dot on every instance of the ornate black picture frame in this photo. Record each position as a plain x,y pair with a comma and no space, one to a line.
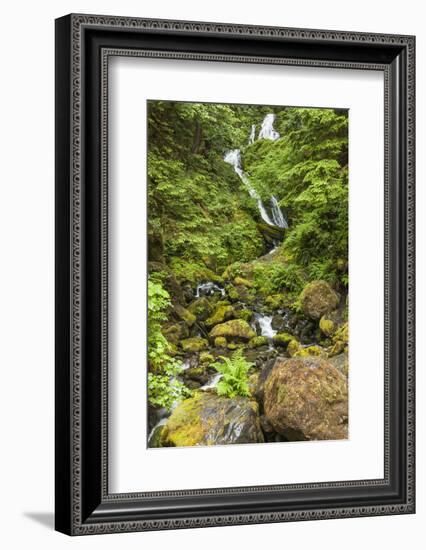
84,44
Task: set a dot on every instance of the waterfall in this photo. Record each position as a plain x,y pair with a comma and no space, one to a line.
267,129
277,214
265,324
233,158
252,135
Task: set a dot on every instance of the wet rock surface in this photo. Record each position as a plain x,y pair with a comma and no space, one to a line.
207,419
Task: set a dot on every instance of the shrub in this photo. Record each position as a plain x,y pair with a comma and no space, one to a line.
234,370
163,387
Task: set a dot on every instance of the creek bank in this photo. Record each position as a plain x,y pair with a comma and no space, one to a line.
292,354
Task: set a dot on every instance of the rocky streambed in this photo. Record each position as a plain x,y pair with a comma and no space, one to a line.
298,379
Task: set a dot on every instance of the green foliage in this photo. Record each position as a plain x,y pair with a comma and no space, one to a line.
234,370
199,211
307,169
272,277
163,387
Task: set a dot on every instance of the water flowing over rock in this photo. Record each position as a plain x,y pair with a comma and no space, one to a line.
265,323
252,135
267,129
207,419
208,289
233,158
277,215
212,383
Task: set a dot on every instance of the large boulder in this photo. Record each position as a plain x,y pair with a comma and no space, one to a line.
318,299
307,397
237,329
341,363
207,419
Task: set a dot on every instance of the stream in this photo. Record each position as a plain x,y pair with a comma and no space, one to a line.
270,214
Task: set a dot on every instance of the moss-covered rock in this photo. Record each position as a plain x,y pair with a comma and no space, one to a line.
310,351
283,339
185,315
307,396
221,313
327,326
206,358
207,419
340,340
342,334
253,383
220,342
271,233
243,282
197,374
331,322
293,347
278,322
175,332
258,341
239,293
237,329
318,299
194,344
245,314
276,301
337,348
201,308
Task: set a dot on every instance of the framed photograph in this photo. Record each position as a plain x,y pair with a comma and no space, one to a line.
234,274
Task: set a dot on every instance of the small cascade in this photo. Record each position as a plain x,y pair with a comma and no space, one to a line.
252,135
277,214
154,429
265,324
234,159
267,130
208,289
212,383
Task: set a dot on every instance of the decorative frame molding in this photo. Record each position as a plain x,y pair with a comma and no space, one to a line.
84,43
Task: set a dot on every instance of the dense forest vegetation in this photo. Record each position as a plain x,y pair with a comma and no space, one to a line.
248,273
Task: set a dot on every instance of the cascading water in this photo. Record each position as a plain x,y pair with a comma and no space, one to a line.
233,158
208,289
277,214
212,383
252,135
265,325
267,130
